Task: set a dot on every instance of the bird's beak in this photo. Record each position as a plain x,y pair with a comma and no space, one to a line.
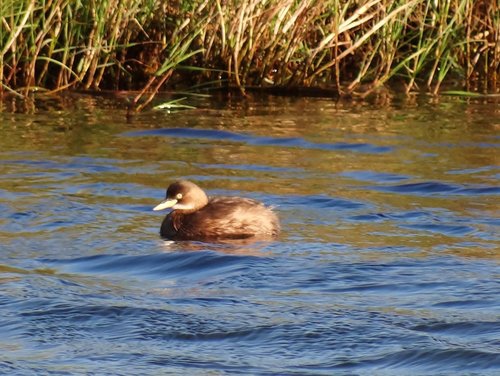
165,204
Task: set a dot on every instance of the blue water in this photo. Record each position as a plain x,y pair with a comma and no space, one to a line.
388,263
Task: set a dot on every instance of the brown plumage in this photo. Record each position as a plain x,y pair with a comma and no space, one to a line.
196,217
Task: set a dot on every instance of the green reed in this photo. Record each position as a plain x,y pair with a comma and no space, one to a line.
147,45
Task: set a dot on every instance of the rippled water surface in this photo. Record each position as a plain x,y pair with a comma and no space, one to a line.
388,262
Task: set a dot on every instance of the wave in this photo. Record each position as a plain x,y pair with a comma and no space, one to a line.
432,188
188,264
295,142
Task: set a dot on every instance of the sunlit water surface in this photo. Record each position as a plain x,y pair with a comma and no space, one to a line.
388,262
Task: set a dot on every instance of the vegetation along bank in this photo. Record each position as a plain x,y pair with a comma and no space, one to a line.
345,45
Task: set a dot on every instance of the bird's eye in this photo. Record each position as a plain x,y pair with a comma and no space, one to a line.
178,196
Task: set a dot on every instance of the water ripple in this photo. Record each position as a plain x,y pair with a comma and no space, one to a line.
442,228
189,263
488,328
320,201
249,139
436,360
432,188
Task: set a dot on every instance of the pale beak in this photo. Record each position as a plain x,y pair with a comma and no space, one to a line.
165,204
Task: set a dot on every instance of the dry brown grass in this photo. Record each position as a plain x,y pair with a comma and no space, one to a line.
340,44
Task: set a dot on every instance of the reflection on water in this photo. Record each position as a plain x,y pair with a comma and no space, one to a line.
388,260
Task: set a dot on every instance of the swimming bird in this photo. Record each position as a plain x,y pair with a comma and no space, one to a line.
197,217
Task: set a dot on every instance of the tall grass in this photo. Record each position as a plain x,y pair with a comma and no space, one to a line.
147,45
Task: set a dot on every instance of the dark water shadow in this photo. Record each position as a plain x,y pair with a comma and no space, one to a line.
294,142
437,188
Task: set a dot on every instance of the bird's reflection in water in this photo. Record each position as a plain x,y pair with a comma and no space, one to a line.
256,246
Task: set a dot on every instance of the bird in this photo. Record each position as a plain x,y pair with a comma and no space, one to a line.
195,216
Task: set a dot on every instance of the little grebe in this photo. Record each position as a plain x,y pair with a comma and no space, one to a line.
196,217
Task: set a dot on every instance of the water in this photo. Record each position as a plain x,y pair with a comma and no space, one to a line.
388,262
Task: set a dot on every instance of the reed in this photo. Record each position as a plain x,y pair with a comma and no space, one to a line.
149,45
